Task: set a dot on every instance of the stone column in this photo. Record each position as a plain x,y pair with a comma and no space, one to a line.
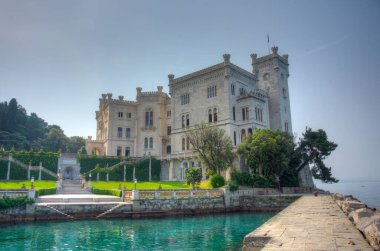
9,167
124,179
29,167
32,194
97,177
39,173
108,177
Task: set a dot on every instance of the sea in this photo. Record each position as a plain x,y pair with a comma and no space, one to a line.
367,191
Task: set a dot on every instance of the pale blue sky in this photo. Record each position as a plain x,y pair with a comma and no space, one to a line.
57,57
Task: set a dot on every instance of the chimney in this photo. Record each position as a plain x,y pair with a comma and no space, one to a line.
226,58
254,58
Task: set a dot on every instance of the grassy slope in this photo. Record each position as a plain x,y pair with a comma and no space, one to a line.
17,184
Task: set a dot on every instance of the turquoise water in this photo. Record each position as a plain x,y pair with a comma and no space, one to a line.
213,232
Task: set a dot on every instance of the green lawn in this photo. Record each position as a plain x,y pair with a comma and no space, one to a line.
167,185
17,184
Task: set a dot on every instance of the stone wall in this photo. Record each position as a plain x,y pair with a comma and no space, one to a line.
182,204
266,203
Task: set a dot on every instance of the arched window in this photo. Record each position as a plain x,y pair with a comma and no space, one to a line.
215,115
233,113
233,89
169,149
187,143
249,130
242,134
150,142
187,120
149,119
234,138
209,115
183,121
183,144
146,143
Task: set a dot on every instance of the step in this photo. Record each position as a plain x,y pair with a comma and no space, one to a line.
77,198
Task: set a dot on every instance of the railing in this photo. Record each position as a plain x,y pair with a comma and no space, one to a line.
172,194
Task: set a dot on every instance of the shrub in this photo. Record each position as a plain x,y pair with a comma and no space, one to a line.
46,191
112,192
217,180
233,186
252,180
7,202
242,178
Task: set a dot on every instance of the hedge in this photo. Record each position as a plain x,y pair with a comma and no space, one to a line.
46,191
117,174
87,163
112,192
49,161
7,202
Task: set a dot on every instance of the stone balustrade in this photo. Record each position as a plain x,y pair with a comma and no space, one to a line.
171,194
13,194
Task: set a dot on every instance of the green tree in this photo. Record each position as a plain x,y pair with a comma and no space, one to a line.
193,176
268,152
55,139
75,143
213,146
312,149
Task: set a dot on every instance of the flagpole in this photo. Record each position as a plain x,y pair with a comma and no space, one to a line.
268,43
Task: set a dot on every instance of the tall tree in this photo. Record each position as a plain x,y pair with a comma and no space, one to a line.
312,149
213,146
75,143
55,139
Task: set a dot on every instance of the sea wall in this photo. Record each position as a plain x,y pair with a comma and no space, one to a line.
266,203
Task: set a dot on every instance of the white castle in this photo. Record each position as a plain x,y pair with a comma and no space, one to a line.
223,95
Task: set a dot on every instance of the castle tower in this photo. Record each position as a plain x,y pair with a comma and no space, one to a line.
272,72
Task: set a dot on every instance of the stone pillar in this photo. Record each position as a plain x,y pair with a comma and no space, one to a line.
9,167
97,177
39,173
32,194
124,179
108,177
171,169
254,59
135,194
29,167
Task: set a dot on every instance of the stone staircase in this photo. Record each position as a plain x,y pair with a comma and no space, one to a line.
73,187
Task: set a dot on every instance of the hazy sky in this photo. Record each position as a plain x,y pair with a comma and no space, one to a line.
57,57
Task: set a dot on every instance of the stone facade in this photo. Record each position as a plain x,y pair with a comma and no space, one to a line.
224,95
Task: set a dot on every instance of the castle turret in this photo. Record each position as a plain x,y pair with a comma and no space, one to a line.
272,72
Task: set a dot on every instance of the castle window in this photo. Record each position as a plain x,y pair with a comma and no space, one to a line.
249,130
183,144
120,114
127,132
183,121
149,119
187,120
118,151
286,127
284,92
185,99
150,142
266,76
169,149
245,113
233,113
242,134
234,138
187,143
211,91
209,115
145,143
129,115
215,115
119,132
169,131
242,91
259,114
127,152
233,89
